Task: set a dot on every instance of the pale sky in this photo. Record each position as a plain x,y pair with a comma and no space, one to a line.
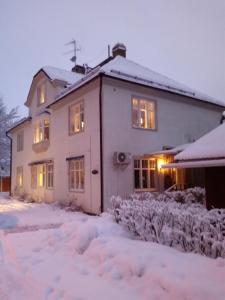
183,39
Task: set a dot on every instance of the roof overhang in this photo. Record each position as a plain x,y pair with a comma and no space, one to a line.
196,164
19,124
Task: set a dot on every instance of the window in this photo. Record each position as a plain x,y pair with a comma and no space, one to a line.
41,94
49,171
19,176
33,177
76,174
20,141
144,174
42,175
143,113
41,131
76,117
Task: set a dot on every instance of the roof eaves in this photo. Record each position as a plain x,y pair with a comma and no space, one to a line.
24,120
172,91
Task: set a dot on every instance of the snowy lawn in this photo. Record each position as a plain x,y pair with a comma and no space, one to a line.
48,253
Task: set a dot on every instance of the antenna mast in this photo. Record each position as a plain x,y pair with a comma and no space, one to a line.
75,50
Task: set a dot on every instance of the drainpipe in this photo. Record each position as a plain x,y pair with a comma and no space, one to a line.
10,178
101,146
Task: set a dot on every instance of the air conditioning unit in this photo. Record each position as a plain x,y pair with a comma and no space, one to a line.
121,158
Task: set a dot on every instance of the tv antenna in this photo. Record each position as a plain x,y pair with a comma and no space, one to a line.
74,51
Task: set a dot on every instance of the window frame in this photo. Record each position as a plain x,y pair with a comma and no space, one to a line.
72,106
20,141
40,130
75,171
34,176
36,171
19,177
50,176
148,169
150,100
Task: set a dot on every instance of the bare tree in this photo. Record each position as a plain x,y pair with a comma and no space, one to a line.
7,119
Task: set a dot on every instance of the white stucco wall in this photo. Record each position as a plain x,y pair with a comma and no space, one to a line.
179,120
86,143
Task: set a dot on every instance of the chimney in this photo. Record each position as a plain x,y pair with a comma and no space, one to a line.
78,69
119,49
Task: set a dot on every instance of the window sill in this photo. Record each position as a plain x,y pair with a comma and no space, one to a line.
71,133
41,146
76,191
141,128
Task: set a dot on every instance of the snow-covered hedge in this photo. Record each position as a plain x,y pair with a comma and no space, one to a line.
186,226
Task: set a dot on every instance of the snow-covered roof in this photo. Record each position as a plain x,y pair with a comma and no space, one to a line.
122,68
173,150
18,123
211,145
195,164
59,74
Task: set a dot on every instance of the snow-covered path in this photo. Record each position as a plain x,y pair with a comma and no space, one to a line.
48,253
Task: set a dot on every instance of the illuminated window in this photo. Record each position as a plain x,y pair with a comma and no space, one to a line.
144,174
49,176
20,141
143,113
42,175
19,176
76,117
41,94
41,131
76,174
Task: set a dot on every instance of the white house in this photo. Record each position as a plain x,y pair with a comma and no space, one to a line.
89,133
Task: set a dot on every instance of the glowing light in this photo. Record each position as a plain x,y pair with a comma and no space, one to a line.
160,162
41,179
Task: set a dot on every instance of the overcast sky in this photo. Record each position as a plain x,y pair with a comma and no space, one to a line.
183,39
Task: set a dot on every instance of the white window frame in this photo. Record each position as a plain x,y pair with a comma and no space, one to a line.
41,131
19,177
41,94
76,171
20,141
76,118
50,175
42,175
140,168
34,176
143,117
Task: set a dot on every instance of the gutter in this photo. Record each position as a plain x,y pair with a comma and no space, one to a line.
101,145
10,172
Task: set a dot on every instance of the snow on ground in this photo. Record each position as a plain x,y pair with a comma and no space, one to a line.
48,253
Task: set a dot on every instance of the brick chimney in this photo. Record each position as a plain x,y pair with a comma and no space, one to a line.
78,69
119,49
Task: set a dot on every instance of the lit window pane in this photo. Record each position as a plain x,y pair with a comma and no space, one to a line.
143,113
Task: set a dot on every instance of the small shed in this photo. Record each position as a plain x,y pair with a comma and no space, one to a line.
207,153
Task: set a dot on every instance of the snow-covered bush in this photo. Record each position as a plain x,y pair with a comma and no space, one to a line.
191,195
184,225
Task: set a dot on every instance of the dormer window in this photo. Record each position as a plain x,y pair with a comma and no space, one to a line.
41,94
41,131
